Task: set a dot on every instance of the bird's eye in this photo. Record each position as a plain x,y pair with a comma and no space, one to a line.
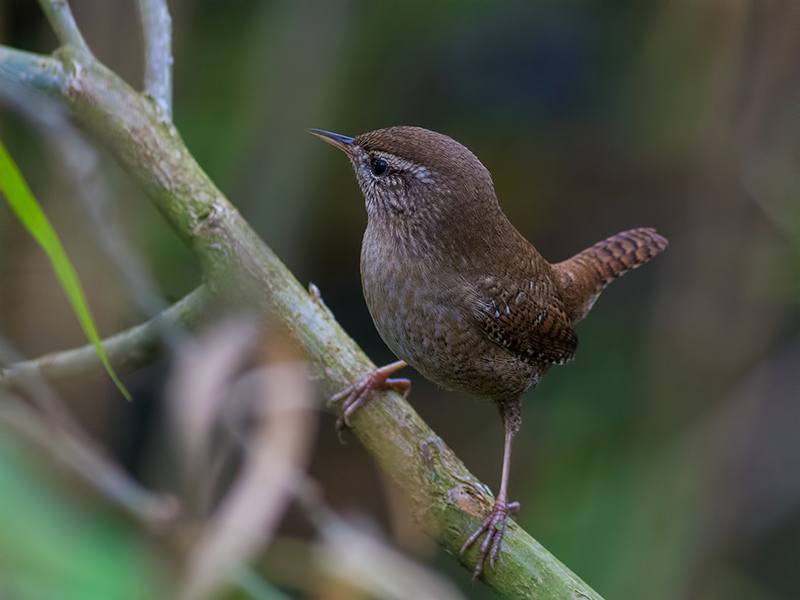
378,166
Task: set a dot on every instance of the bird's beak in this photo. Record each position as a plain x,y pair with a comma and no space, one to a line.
342,142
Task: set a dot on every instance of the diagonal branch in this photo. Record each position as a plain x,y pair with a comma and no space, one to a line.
127,351
445,498
63,23
157,29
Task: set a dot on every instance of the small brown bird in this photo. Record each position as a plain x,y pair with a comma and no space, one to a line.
457,292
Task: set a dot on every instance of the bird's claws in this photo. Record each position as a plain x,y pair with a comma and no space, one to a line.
361,392
493,526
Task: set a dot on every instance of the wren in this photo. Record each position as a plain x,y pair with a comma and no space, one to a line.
458,293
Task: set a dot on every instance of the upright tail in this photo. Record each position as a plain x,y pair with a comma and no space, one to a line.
587,273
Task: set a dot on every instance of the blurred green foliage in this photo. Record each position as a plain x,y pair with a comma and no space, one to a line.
61,545
30,214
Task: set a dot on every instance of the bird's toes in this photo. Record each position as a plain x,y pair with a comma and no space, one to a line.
344,394
358,394
493,527
403,386
351,400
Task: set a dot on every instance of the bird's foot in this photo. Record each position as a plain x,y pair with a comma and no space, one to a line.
361,392
494,526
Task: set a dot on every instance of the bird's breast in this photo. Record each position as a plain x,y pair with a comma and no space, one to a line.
421,311
405,301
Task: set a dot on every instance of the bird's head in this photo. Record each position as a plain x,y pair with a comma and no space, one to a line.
411,176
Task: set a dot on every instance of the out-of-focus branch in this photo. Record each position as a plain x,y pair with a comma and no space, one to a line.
357,556
63,24
276,457
82,163
157,29
46,424
73,449
127,351
444,497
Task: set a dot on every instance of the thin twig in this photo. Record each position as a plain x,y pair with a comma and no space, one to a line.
127,350
64,26
157,29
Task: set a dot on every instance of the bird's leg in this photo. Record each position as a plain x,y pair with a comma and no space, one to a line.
361,392
494,525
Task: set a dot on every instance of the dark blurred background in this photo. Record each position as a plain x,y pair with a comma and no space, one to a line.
664,462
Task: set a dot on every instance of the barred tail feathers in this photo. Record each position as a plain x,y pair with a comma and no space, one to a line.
587,273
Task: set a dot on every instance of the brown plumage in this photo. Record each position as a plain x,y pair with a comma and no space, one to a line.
457,292
586,274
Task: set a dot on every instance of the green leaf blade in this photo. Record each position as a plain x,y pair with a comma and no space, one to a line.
29,212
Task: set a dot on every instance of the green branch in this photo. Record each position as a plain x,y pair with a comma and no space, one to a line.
445,498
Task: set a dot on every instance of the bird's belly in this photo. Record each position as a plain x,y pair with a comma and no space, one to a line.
429,327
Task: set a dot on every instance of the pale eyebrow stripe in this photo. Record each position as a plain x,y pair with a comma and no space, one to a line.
420,172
